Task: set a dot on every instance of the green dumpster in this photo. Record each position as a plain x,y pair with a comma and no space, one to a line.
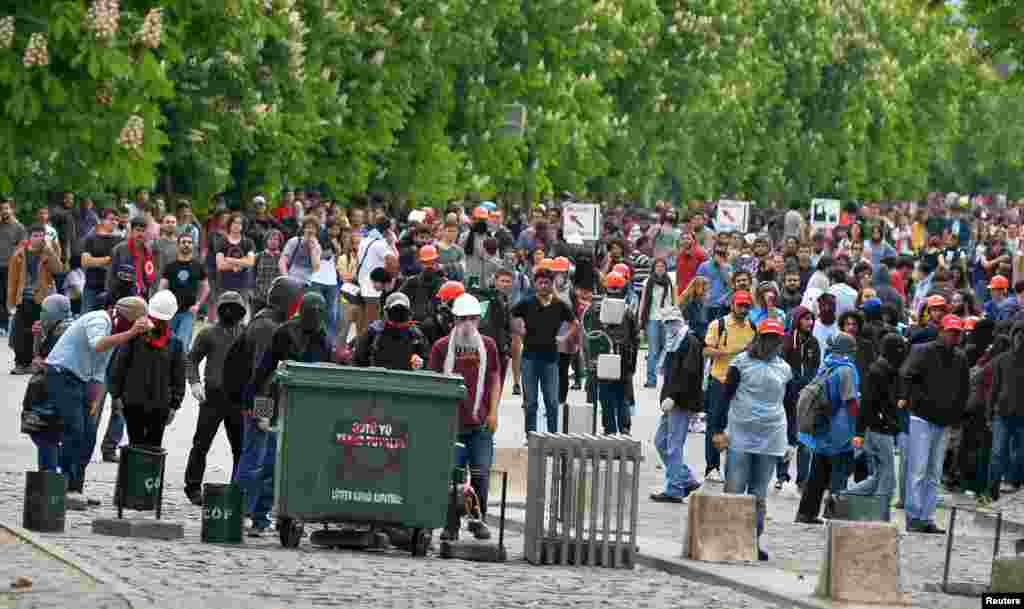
364,445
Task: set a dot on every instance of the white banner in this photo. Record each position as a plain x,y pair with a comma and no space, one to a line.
581,221
732,216
825,213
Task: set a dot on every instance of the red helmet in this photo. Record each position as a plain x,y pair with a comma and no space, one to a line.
615,281
560,264
450,290
428,253
999,283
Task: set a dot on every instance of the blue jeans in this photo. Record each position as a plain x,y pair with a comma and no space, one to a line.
543,374
89,300
614,411
330,294
65,396
181,326
476,452
655,345
881,480
670,440
1004,431
48,446
256,471
926,445
750,473
715,410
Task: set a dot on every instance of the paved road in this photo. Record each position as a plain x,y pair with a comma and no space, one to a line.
263,575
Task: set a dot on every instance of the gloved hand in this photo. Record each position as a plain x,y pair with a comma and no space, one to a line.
198,392
790,453
170,416
117,406
667,405
263,424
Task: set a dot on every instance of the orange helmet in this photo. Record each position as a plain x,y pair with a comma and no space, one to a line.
622,268
560,264
428,253
481,213
547,264
970,323
936,300
615,281
450,290
999,283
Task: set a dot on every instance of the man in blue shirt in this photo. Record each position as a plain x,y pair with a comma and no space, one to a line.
80,358
718,273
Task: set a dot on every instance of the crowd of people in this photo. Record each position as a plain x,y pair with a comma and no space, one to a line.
807,350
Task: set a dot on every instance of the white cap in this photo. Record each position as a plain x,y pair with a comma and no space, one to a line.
466,306
259,199
417,215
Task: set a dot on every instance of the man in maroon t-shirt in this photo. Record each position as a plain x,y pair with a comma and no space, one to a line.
688,260
474,356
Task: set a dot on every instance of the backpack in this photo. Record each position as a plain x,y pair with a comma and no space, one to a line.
813,403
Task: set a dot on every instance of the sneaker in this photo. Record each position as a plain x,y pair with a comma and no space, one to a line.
778,485
650,385
925,527
92,501
75,502
762,555
111,458
256,531
693,488
517,390
196,497
713,476
21,370
479,529
801,519
663,498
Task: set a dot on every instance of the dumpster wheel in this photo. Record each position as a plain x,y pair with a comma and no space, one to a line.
290,532
420,542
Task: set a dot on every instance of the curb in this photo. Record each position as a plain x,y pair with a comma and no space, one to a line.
695,571
100,576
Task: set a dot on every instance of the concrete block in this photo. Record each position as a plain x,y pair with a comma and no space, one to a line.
473,551
863,563
1008,575
138,527
721,528
514,461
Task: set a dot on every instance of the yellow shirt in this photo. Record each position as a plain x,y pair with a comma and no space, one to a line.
738,335
917,236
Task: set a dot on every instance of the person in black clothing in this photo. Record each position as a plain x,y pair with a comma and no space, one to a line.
422,288
96,251
215,407
186,279
879,421
497,323
147,375
802,352
1007,408
396,342
255,472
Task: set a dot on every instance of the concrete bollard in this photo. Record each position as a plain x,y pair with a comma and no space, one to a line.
721,528
515,462
861,563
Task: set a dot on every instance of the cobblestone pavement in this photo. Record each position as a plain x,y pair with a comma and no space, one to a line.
53,583
262,575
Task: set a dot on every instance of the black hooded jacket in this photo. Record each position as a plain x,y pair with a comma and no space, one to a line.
878,410
1008,378
935,382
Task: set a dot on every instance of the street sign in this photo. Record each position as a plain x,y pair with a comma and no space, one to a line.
581,221
732,216
825,213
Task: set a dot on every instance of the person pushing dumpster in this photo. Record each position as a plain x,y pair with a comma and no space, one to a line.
473,356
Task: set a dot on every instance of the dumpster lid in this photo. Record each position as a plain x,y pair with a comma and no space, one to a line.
382,380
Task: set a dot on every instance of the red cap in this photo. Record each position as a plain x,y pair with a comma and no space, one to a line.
936,301
952,322
742,298
999,283
615,280
770,325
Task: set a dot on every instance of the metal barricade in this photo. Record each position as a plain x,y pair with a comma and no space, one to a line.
582,500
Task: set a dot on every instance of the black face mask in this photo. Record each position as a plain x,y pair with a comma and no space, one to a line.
312,312
399,314
231,315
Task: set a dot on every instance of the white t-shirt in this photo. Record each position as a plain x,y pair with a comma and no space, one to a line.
372,252
823,333
846,298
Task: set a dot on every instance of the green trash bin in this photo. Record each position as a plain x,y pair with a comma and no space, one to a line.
44,509
364,445
140,479
222,513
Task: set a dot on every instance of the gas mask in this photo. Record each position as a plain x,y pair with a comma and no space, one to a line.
231,315
399,314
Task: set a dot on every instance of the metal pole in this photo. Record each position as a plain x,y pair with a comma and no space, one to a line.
501,522
949,550
999,533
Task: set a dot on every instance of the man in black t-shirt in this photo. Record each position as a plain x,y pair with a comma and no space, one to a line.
538,320
96,251
235,258
186,279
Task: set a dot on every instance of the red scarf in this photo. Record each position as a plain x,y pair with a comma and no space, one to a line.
145,272
400,325
159,341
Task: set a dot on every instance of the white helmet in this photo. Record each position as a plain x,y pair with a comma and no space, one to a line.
466,306
163,305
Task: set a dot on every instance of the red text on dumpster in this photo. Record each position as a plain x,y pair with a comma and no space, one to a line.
371,434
